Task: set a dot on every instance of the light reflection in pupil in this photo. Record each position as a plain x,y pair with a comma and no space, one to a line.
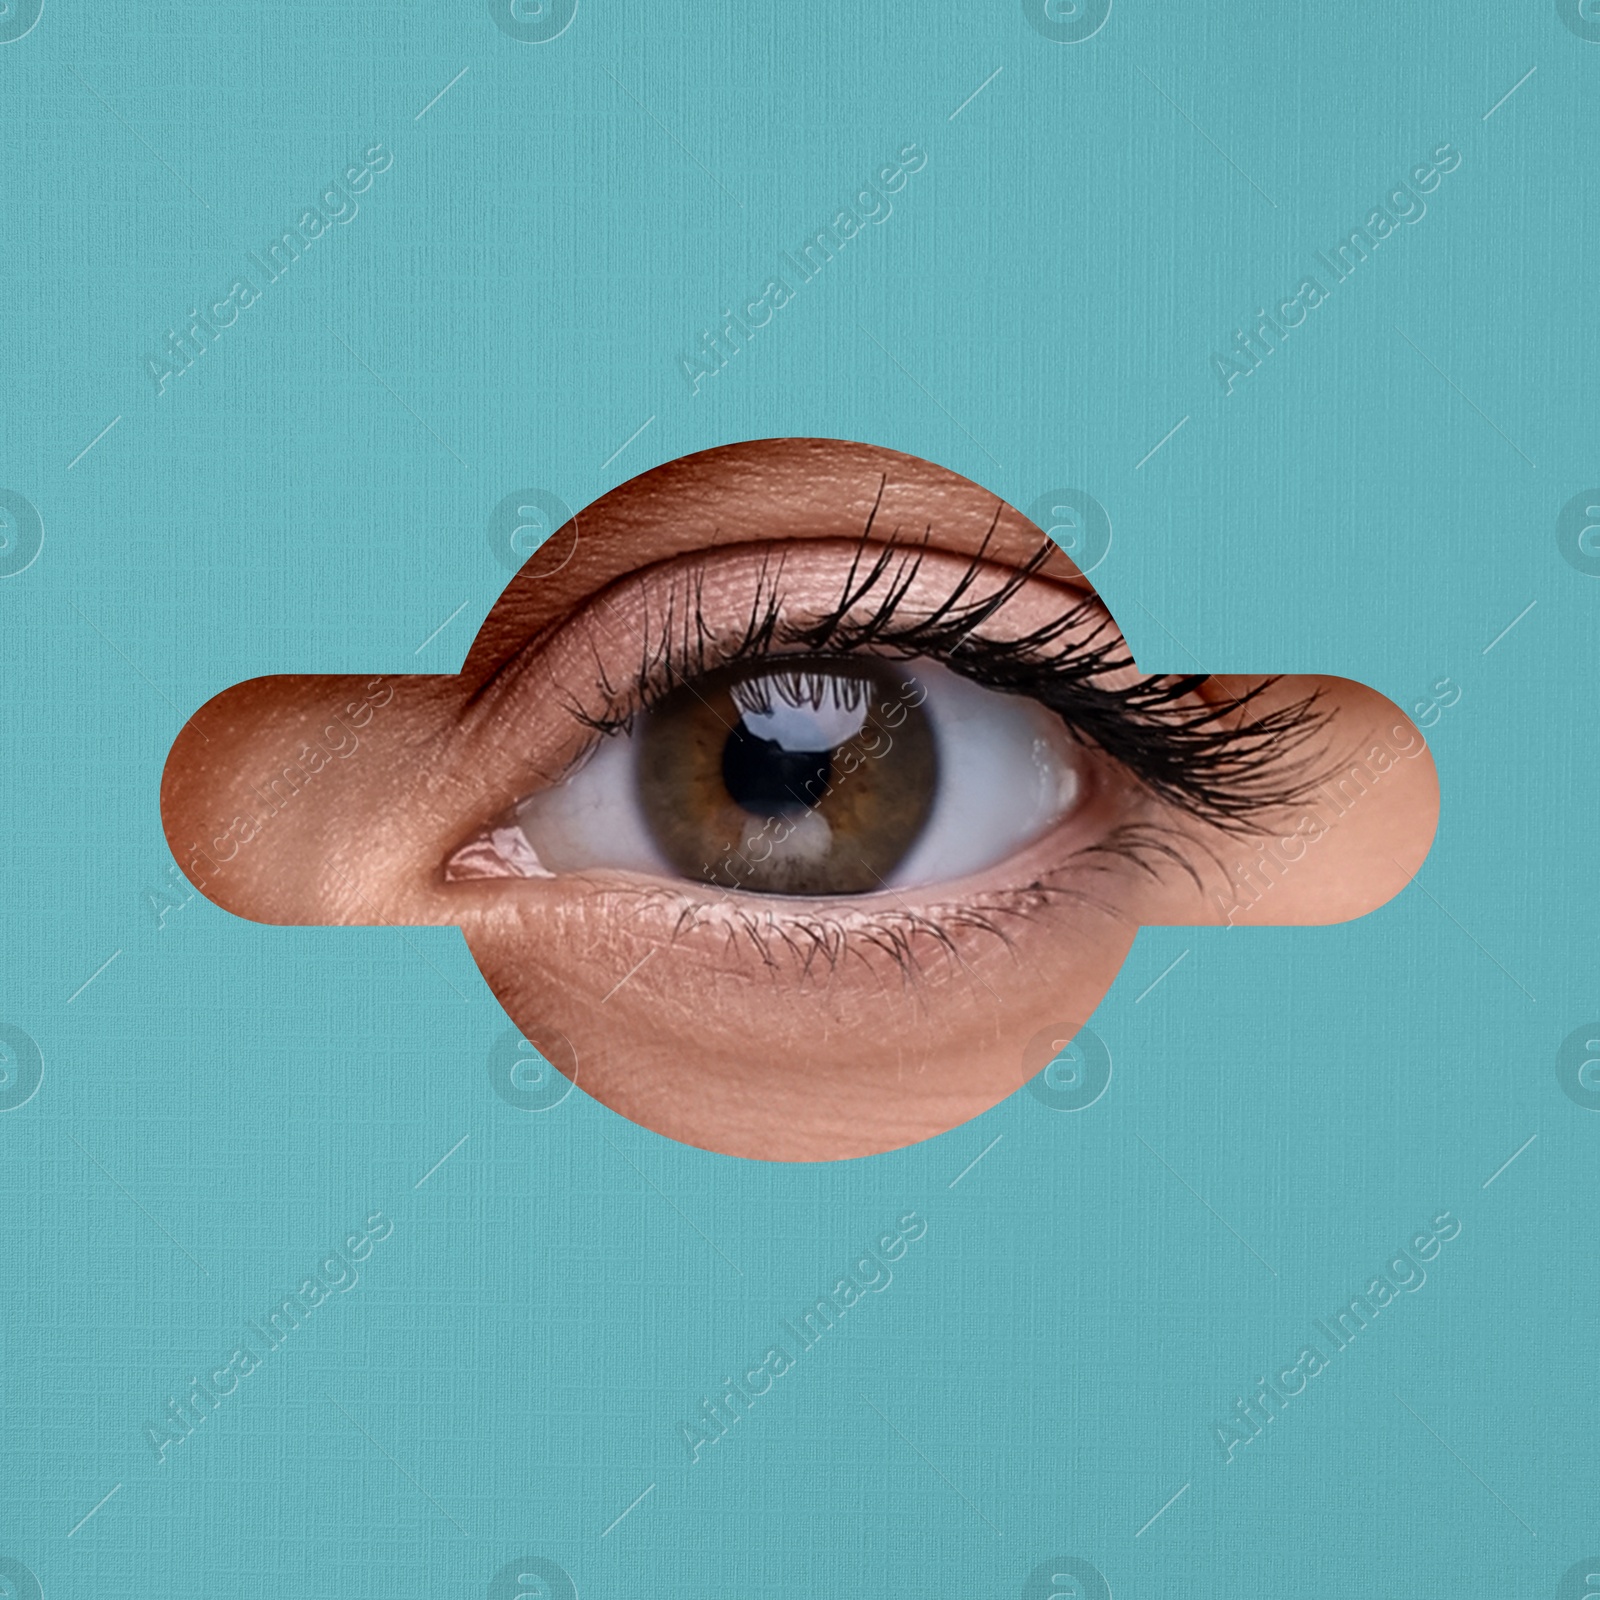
779,759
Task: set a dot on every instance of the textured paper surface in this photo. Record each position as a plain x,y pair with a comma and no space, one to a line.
498,1398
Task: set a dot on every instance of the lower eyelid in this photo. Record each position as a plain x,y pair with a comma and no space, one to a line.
678,932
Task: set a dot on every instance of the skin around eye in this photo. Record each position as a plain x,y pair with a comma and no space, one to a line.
765,1022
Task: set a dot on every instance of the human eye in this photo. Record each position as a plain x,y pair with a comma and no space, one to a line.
818,721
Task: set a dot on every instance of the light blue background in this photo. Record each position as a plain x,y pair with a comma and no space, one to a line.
225,1101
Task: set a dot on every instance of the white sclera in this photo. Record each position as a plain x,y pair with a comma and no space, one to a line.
592,817
1007,772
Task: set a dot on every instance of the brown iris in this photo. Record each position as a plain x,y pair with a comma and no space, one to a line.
804,777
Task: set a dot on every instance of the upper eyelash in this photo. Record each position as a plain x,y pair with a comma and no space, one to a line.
1222,764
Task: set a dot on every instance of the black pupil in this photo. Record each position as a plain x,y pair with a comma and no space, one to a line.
769,781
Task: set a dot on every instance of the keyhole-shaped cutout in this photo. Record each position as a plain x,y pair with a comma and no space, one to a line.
800,799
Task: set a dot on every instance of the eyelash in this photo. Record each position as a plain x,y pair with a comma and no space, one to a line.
1223,765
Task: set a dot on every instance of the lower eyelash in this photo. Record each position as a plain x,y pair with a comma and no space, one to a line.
786,938
821,942
1224,765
